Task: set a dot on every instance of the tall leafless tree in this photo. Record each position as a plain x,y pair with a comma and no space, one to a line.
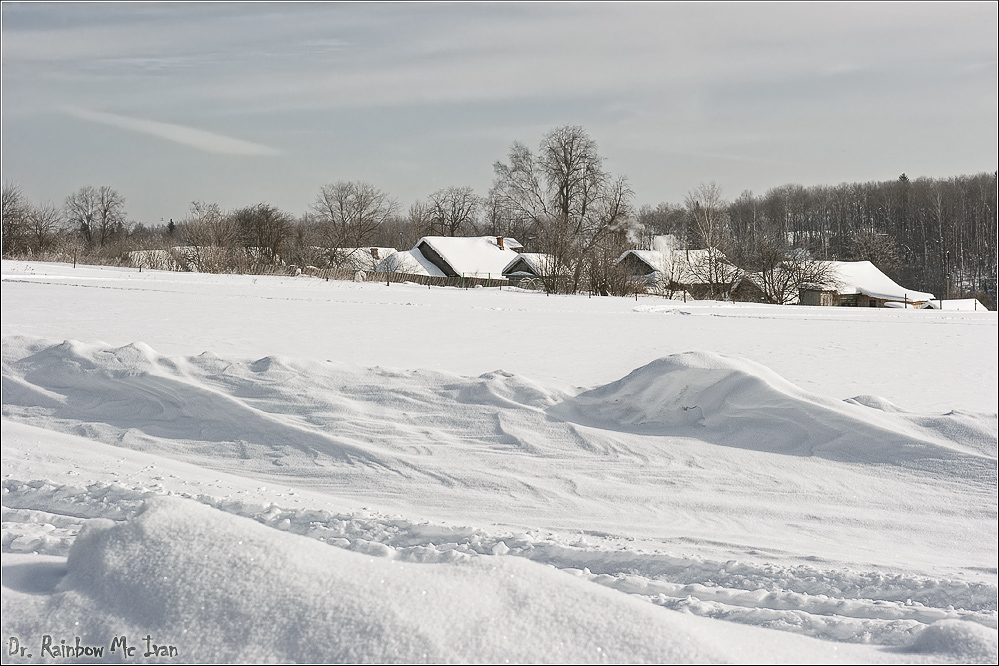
453,210
347,215
571,202
42,224
708,212
212,239
780,269
15,220
98,213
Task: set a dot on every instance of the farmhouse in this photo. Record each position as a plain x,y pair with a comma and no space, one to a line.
862,284
692,271
476,257
682,266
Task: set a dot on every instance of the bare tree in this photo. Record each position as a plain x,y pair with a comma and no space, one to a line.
397,231
212,239
781,270
453,210
98,213
663,220
878,248
498,219
264,229
347,215
570,201
607,276
15,213
708,213
421,218
42,225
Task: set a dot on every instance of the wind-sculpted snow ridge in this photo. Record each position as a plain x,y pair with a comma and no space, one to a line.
255,594
271,409
737,402
359,420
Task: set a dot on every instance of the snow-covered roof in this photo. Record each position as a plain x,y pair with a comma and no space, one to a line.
477,256
362,258
680,265
408,261
652,258
954,304
863,277
538,263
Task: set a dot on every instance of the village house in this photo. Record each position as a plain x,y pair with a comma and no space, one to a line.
862,284
668,270
480,257
529,268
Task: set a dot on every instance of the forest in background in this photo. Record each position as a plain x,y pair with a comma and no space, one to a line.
929,234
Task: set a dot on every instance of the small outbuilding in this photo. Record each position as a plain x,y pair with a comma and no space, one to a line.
529,268
954,304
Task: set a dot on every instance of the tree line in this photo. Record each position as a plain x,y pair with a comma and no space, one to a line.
560,202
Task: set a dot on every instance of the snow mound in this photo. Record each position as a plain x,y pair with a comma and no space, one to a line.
257,594
876,402
969,642
505,389
737,402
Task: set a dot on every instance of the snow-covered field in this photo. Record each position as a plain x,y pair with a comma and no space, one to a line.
252,468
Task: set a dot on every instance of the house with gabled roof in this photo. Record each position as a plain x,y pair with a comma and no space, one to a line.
530,268
681,270
475,257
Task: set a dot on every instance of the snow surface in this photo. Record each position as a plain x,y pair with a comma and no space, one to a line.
288,469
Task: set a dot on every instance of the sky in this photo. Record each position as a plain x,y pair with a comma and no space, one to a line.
244,103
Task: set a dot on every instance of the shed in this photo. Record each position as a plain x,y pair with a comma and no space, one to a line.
954,304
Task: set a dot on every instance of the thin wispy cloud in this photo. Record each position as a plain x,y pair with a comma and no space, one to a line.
418,96
209,142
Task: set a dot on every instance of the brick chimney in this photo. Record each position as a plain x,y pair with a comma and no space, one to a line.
499,241
374,253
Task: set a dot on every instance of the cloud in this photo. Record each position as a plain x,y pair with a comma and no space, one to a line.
209,142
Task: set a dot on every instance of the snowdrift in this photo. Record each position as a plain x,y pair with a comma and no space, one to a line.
256,594
737,402
699,483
